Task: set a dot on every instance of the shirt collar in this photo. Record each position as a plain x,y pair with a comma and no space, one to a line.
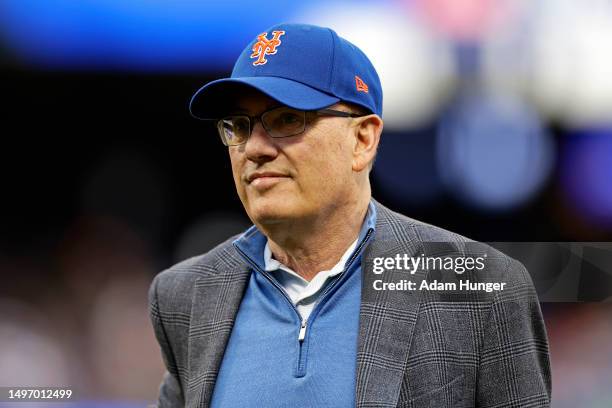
252,243
271,264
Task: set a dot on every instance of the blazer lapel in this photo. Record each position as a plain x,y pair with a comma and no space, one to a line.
216,300
387,317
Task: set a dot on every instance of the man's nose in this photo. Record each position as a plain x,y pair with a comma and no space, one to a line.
260,147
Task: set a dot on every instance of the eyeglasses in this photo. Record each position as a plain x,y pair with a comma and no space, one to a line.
278,122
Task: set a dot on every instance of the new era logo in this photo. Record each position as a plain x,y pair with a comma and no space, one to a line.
263,46
360,85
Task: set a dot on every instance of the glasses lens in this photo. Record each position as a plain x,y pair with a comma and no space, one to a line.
284,122
234,130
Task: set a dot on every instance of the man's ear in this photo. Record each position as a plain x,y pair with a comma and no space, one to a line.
367,136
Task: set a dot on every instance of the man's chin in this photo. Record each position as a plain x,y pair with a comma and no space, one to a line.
270,216
269,211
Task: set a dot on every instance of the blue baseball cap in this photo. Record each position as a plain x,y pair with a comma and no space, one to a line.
302,66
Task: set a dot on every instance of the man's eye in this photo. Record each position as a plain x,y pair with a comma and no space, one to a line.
240,126
289,118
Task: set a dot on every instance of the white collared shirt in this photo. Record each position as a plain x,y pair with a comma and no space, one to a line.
303,294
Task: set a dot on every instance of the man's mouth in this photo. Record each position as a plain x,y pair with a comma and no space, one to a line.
264,176
264,180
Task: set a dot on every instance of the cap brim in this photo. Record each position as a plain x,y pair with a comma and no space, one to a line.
210,100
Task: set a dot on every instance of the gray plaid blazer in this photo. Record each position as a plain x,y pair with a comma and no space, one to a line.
416,348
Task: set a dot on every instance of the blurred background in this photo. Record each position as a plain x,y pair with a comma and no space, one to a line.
498,126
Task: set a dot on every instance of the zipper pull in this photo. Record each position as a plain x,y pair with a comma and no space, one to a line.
302,332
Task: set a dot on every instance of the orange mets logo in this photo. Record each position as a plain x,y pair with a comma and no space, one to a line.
263,46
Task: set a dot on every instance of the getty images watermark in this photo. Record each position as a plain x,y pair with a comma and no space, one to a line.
412,264
559,271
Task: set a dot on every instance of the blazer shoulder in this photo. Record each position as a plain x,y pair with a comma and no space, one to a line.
394,225
439,241
179,279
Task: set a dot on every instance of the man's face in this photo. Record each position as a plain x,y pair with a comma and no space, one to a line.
297,177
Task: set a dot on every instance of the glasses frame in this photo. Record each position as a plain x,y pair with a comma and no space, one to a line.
252,120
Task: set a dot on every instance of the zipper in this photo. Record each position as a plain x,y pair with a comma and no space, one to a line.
301,366
302,333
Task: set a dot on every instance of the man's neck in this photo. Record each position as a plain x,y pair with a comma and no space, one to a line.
317,245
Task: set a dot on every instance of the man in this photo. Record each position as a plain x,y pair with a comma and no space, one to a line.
288,313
